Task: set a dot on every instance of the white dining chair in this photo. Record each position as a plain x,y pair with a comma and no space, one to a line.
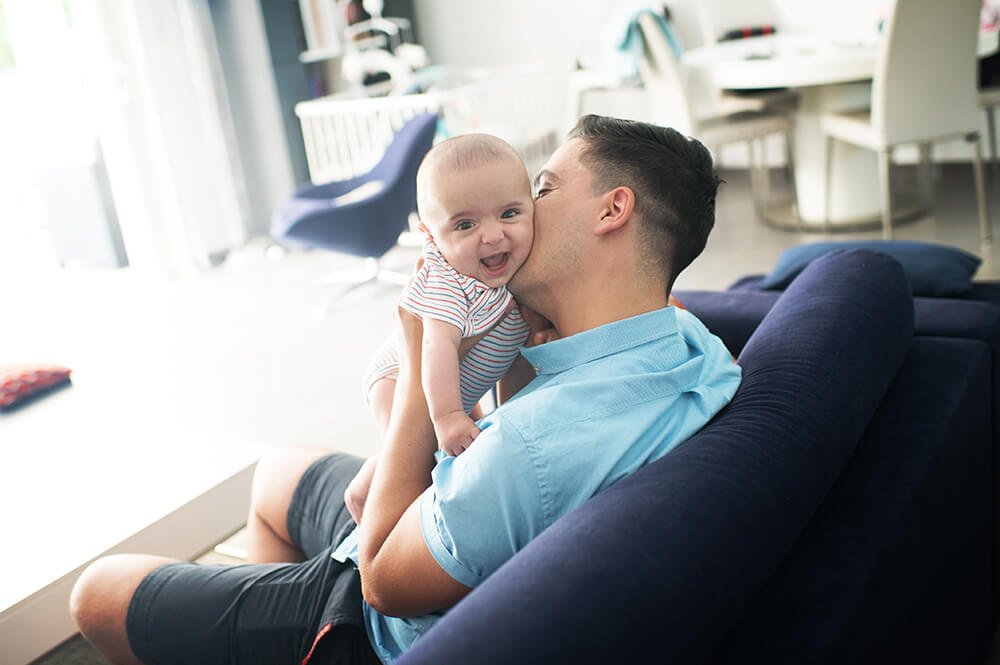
924,89
989,99
674,100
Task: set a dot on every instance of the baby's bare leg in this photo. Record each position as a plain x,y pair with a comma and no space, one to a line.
380,398
356,493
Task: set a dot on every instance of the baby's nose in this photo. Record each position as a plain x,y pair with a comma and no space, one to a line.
492,234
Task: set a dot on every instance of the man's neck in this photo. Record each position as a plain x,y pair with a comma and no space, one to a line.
599,304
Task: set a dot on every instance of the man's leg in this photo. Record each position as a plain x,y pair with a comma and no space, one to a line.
197,598
100,600
135,610
277,475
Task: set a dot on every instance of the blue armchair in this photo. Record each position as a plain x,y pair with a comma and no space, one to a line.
361,216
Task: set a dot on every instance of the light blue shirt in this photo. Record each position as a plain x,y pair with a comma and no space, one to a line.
604,403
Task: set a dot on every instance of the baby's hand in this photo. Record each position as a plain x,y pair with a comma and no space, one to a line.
455,432
542,331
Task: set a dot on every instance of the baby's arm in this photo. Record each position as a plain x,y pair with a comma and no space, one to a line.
454,429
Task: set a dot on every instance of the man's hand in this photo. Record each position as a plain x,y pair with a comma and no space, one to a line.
455,432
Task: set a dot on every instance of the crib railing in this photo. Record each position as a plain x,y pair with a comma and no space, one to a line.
523,105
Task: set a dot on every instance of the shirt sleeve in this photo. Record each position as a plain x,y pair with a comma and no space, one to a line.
488,309
483,506
436,294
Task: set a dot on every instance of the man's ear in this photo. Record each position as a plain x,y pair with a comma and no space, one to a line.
618,206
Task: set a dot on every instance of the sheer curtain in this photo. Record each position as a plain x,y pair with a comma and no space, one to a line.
152,69
148,83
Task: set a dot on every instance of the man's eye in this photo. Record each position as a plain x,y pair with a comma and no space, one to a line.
542,191
510,212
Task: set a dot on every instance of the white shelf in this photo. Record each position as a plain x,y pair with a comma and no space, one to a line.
82,475
319,55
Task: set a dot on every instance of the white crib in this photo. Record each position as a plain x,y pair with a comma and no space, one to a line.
523,105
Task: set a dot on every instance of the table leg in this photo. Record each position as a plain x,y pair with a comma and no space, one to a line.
854,180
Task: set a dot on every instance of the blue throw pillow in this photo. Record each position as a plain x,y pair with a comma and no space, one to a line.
933,270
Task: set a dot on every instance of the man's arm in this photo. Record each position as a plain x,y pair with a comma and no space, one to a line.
399,576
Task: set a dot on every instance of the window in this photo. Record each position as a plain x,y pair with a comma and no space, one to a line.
6,51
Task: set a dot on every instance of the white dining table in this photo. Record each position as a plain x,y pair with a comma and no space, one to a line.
831,72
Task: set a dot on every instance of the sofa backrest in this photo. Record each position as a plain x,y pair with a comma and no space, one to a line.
665,561
734,314
904,538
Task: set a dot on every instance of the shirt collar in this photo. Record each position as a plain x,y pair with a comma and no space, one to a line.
606,340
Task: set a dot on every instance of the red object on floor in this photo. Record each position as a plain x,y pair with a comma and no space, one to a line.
20,381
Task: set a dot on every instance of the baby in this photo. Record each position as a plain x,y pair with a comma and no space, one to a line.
475,204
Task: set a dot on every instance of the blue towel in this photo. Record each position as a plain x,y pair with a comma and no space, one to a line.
627,40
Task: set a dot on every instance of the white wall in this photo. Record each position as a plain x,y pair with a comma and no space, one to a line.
564,32
487,33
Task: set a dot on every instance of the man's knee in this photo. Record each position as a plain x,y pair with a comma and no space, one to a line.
101,596
92,600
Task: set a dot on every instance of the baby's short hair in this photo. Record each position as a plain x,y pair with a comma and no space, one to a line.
459,153
468,150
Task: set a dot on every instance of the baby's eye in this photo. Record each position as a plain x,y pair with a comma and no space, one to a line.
464,225
510,212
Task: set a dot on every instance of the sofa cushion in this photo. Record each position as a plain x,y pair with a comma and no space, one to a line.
933,270
665,561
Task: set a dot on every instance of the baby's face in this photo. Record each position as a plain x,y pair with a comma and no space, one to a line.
481,220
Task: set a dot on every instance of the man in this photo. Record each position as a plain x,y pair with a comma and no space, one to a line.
620,210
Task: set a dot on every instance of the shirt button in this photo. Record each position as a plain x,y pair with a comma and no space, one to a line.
537,368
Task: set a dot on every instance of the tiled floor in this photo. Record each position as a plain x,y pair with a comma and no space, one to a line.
238,348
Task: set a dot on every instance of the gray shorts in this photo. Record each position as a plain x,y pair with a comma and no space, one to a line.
190,614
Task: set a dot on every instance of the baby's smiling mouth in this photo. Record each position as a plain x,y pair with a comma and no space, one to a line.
495,264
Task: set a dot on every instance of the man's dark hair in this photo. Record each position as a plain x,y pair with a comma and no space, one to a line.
672,176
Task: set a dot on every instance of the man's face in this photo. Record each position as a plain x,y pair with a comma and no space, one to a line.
564,201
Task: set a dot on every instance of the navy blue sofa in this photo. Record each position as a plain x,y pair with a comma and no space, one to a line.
839,510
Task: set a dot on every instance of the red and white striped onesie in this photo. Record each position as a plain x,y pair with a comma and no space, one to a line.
442,293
